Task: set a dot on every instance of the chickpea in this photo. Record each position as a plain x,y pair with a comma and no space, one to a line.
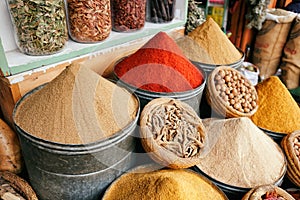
222,73
232,101
218,77
227,91
237,106
221,82
234,91
247,110
231,96
253,104
227,78
218,87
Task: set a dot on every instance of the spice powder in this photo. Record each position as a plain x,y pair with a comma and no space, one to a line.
77,107
212,39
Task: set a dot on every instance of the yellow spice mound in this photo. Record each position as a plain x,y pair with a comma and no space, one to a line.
162,185
277,110
212,39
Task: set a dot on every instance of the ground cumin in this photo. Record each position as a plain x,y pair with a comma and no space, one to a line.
162,185
211,38
277,110
241,154
77,107
192,50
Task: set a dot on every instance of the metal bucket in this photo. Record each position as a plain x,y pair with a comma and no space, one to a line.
61,171
191,97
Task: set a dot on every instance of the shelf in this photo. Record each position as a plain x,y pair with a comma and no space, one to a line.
12,61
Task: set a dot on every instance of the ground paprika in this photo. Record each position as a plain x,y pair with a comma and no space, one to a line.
159,66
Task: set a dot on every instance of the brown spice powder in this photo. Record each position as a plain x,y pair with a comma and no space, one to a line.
277,110
240,154
211,38
193,51
77,107
162,185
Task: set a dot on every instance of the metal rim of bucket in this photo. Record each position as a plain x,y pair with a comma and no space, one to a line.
236,64
150,95
74,148
232,188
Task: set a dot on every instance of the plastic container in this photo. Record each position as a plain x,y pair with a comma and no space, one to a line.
160,11
40,27
128,16
208,68
191,97
89,21
61,171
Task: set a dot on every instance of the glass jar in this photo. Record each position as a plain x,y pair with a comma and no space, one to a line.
40,25
89,21
127,15
160,11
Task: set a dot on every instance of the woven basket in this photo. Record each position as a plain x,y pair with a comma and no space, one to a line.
218,104
293,169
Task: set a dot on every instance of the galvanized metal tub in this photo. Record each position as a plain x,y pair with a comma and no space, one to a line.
61,171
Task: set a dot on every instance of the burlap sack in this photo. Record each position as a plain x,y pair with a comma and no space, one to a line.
290,65
270,41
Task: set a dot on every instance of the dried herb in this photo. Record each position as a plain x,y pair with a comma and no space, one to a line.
89,21
40,25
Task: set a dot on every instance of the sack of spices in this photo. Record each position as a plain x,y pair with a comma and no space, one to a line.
172,133
40,26
270,40
290,66
267,192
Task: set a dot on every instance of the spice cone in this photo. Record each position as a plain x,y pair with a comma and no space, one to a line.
77,107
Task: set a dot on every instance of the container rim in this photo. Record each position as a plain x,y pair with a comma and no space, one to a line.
237,188
103,143
240,61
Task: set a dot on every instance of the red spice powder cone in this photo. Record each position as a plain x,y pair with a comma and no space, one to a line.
159,66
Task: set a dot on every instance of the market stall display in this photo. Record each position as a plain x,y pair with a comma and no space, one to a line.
230,94
172,133
145,182
291,146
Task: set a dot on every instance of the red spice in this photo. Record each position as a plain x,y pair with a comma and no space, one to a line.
159,66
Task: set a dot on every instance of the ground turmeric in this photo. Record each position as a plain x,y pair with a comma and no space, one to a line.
277,110
163,184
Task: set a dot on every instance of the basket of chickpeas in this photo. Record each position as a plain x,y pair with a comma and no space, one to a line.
231,94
